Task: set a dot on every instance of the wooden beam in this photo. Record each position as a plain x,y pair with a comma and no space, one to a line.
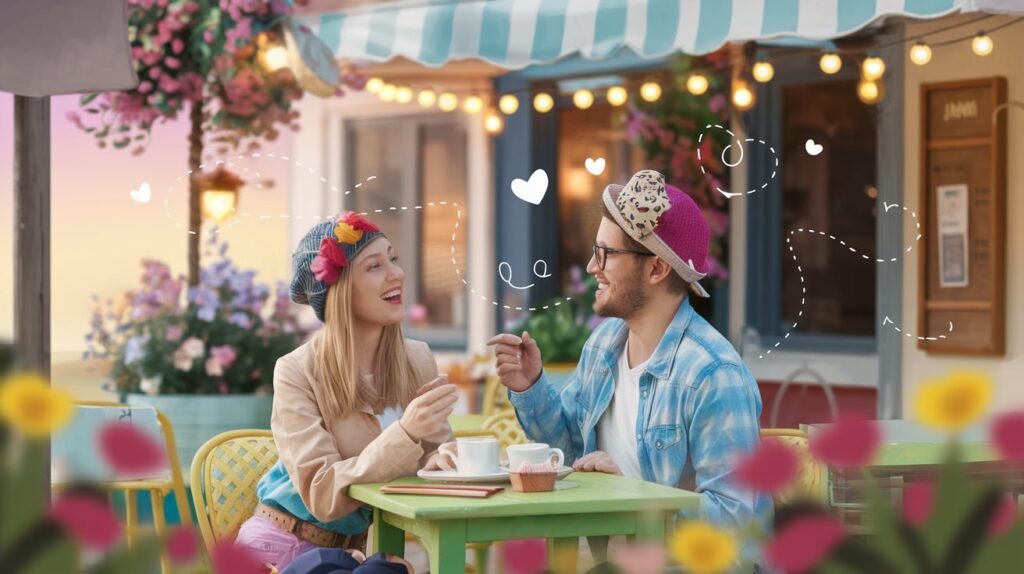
32,232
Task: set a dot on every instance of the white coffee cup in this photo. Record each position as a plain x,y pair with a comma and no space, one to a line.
534,453
477,455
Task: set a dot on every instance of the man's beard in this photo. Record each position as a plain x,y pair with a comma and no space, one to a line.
629,297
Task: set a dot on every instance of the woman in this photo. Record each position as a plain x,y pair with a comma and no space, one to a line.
346,409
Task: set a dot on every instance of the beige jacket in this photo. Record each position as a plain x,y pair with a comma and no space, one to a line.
324,457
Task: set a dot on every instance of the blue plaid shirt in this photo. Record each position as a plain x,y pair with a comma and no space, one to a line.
698,412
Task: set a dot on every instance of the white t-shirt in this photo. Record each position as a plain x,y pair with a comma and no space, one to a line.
616,431
390,415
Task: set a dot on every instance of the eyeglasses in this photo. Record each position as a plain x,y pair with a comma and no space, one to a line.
601,254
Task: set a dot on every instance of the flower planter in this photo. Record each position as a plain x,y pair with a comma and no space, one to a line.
198,418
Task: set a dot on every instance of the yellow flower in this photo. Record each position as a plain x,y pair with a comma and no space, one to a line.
954,402
32,407
347,234
704,549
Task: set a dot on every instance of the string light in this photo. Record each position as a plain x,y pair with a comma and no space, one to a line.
763,72
742,96
403,95
650,92
870,91
508,104
982,44
921,54
493,123
830,63
387,93
447,102
697,84
473,105
543,103
373,85
873,68
583,99
617,95
427,98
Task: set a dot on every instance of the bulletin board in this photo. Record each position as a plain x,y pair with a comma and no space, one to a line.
962,270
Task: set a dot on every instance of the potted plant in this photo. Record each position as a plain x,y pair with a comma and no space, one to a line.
562,330
204,355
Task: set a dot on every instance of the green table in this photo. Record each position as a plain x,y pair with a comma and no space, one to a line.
599,505
466,422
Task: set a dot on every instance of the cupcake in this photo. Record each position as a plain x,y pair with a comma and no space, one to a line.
534,478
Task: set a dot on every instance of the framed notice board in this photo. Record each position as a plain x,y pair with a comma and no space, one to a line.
962,271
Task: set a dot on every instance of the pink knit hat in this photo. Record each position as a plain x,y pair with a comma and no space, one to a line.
664,220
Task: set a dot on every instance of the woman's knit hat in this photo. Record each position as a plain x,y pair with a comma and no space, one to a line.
324,252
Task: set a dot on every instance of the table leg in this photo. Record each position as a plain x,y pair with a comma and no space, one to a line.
598,548
386,537
563,555
650,527
446,543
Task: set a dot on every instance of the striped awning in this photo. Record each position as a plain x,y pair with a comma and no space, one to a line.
517,33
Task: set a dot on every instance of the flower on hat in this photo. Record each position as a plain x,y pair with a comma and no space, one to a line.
346,233
330,261
358,222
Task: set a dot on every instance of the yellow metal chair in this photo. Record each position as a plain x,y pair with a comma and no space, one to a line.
158,487
495,396
811,483
225,472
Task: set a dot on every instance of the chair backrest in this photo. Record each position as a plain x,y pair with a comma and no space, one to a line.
225,472
495,396
811,482
506,427
89,418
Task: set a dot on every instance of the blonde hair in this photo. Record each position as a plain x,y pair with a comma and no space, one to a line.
334,360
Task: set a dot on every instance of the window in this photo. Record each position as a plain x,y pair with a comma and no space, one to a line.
834,192
417,161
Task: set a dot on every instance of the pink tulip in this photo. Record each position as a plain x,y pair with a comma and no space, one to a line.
770,468
803,543
1007,434
88,520
182,545
131,451
849,443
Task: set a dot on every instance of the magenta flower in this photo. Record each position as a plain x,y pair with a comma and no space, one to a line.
88,520
1007,434
131,452
224,354
917,502
848,443
182,545
802,543
770,468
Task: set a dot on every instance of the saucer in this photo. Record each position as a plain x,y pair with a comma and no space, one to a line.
501,475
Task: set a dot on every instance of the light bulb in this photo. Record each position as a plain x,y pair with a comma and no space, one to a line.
373,85
830,63
763,72
982,44
697,84
583,99
650,92
387,93
447,102
870,91
617,95
543,103
493,123
473,105
403,95
742,96
508,104
873,68
427,98
920,54
275,58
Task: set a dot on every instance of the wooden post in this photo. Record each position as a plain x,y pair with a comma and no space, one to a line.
195,221
32,232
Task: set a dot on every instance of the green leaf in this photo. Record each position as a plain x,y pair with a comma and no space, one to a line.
86,99
1002,554
954,498
61,555
142,557
895,542
21,492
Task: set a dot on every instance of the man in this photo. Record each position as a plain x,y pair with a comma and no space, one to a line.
658,394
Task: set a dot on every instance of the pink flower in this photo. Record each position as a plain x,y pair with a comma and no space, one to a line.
524,556
646,558
224,354
1004,517
802,543
177,46
145,87
155,72
1007,434
131,452
770,468
917,502
194,347
174,332
214,368
208,36
418,313
848,443
88,520
172,62
182,545
328,264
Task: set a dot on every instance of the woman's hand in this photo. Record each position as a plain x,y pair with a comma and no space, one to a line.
444,458
426,417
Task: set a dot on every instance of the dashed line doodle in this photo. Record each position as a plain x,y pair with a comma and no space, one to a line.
888,321
727,163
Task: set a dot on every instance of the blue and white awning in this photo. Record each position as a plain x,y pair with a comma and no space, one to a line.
517,33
